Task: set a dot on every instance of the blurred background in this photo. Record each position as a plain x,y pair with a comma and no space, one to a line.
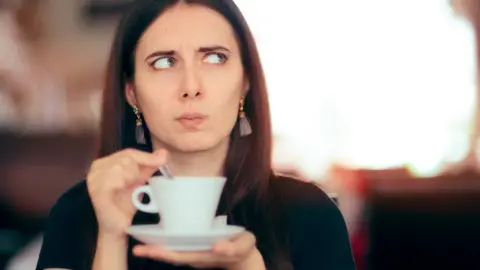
382,113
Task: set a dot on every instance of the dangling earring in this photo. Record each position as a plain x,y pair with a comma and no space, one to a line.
245,127
139,132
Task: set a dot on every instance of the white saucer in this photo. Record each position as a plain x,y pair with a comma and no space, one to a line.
154,235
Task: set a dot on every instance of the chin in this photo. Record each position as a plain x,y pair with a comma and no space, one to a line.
195,143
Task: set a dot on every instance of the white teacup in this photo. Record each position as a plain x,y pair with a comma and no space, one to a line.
185,204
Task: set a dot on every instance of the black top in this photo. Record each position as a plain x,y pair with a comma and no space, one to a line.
318,234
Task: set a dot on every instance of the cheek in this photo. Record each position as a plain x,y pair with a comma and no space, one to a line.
228,113
155,93
225,93
156,85
225,83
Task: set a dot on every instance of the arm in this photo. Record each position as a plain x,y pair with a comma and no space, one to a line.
110,253
253,262
69,237
70,234
320,237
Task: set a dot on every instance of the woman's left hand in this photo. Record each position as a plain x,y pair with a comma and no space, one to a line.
239,253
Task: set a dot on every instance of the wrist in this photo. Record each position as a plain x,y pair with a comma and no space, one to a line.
110,252
254,261
108,238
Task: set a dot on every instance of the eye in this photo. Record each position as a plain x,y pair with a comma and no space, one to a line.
216,58
163,63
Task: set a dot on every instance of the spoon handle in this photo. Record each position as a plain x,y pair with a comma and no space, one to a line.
166,171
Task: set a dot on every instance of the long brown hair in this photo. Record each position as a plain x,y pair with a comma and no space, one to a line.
248,164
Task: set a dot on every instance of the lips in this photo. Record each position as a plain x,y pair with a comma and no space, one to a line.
191,120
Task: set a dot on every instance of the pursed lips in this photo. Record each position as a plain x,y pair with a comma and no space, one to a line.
191,120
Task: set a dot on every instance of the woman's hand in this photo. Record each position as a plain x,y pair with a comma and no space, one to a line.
110,183
236,254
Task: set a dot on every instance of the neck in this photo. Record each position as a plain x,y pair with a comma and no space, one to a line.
202,163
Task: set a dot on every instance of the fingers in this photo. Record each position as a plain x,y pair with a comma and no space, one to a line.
236,247
223,253
224,248
159,254
146,165
111,181
245,242
129,167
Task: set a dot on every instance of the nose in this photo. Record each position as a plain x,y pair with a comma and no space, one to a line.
191,87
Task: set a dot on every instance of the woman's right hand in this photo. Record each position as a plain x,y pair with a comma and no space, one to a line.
110,183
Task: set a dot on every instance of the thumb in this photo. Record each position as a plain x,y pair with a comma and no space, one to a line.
147,171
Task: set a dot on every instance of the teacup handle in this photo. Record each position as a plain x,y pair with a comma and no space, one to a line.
150,207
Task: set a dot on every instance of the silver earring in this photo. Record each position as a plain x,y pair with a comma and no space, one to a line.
139,132
245,127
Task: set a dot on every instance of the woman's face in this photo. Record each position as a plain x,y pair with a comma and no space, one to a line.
189,79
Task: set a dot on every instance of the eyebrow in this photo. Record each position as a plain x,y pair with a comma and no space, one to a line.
201,50
213,48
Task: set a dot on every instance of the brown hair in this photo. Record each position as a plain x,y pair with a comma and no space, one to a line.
248,164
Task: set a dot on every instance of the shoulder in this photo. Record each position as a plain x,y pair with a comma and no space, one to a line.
75,196
74,203
306,203
297,193
318,234
70,231
73,210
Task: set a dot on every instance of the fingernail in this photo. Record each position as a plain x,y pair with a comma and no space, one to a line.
136,250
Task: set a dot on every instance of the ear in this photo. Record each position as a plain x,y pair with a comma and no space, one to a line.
130,94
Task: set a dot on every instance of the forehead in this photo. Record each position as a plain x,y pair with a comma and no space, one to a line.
187,26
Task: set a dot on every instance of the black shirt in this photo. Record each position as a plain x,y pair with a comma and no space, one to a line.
319,239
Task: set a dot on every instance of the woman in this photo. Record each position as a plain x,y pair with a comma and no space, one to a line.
184,77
